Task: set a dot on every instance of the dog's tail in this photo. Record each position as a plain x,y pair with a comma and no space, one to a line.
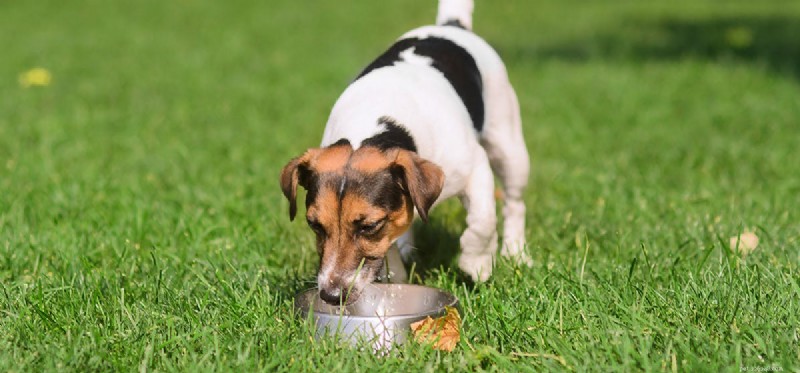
455,13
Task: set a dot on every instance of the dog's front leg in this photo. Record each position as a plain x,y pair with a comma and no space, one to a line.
479,240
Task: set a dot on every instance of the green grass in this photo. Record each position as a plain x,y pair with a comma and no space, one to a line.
142,227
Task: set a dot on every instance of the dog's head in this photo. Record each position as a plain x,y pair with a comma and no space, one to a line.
358,203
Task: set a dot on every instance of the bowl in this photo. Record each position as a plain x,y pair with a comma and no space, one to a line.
381,317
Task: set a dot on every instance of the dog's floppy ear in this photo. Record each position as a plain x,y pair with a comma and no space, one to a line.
296,172
422,179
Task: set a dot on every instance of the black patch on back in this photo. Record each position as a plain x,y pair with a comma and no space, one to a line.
457,65
340,142
394,136
454,23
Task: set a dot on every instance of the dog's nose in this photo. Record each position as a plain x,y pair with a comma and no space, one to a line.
331,296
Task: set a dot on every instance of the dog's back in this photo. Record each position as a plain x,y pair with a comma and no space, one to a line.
431,118
437,86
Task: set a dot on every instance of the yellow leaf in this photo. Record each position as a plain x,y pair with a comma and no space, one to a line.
442,332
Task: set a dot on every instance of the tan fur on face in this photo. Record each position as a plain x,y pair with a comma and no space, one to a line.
337,209
313,161
342,247
369,160
325,210
355,208
332,159
348,191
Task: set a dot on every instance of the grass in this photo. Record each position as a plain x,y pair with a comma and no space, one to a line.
141,225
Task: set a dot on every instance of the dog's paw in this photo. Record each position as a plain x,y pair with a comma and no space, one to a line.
479,267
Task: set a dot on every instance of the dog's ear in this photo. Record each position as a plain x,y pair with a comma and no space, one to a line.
422,179
297,171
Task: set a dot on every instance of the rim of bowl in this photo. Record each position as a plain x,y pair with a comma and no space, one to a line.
432,311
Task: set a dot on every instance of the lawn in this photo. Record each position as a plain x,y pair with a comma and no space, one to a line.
142,226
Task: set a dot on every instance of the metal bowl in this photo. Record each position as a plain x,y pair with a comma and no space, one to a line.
381,316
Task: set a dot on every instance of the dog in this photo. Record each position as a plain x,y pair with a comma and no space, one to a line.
433,117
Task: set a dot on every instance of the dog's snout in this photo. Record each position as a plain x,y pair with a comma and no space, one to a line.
331,296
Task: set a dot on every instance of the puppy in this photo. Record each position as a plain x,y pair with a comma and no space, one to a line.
433,117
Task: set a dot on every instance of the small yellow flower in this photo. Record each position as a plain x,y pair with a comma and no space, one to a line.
36,77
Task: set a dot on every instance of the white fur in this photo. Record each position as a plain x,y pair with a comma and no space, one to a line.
419,98
460,10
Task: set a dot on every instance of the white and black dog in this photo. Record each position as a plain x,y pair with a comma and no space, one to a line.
429,119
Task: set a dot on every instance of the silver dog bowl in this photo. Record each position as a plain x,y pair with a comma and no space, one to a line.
381,316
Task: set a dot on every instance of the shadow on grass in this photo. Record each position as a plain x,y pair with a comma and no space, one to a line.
438,247
769,41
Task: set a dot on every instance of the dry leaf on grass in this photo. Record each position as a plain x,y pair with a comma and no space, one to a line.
745,242
443,332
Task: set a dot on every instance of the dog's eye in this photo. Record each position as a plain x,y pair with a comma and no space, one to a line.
370,228
316,226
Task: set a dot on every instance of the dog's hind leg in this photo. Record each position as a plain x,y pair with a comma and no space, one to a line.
479,240
505,145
